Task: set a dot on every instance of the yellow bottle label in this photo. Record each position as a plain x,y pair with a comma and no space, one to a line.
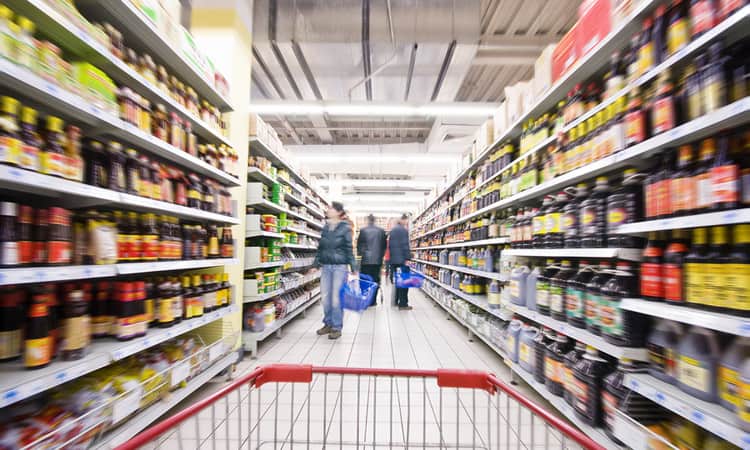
737,286
678,35
10,150
729,381
37,351
694,374
645,58
695,283
744,406
524,353
709,285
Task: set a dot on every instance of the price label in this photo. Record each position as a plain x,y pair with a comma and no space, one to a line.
180,372
126,405
215,352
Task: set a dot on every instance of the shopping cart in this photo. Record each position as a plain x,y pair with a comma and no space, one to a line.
295,406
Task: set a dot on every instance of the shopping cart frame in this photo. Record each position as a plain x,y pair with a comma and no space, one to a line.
295,374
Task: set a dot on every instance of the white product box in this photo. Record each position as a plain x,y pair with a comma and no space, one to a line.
499,121
543,71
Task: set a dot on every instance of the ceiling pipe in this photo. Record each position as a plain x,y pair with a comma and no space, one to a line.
390,60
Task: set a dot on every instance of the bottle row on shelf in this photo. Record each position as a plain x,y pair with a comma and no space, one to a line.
591,217
76,74
50,321
587,128
592,384
80,413
57,236
265,314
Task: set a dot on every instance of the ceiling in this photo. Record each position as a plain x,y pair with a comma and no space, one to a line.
417,52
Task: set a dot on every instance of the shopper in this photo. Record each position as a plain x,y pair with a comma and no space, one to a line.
400,253
371,248
334,255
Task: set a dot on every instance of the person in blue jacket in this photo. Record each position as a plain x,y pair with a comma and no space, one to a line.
335,257
398,245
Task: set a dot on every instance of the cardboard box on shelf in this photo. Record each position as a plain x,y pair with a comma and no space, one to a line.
528,99
172,9
594,24
484,137
499,121
565,54
543,71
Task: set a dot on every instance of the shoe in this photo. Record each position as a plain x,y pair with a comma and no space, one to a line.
325,330
334,334
405,308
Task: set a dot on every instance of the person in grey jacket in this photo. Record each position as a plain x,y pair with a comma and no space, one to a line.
335,257
398,245
371,248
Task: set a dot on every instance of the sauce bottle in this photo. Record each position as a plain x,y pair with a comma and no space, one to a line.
571,214
557,291
8,235
213,242
695,281
659,34
200,305
164,309
693,107
101,315
555,230
724,179
554,364
715,267
635,120
593,297
117,176
132,172
130,310
621,327
538,220
678,30
31,142
646,49
543,288
571,359
738,271
652,268
25,238
38,344
594,216
575,295
227,243
674,258
698,364
12,299
663,115
625,206
589,375
683,192
703,176
617,397
178,302
76,323
541,342
729,372
10,144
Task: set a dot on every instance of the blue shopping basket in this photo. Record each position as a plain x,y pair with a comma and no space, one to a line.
359,293
408,279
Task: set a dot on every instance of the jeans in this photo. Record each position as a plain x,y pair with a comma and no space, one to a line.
402,294
332,277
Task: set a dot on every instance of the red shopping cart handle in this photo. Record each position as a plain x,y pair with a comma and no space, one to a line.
294,373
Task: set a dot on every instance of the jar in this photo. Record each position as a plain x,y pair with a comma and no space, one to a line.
148,69
176,133
162,79
191,142
144,115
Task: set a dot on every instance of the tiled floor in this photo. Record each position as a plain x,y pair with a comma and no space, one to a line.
384,412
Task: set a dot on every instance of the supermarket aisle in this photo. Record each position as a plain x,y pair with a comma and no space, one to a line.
380,337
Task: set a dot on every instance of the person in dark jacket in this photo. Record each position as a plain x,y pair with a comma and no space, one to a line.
398,244
371,248
333,256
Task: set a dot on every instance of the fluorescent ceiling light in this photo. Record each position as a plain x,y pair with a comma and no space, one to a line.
393,199
376,158
373,208
453,109
379,183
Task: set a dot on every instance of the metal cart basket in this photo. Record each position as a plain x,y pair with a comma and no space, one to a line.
298,406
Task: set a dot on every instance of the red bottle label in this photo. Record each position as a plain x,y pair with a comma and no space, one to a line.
650,207
635,130
652,280
663,115
663,195
701,16
673,283
725,183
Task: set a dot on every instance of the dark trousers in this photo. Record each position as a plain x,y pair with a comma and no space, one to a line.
402,294
372,270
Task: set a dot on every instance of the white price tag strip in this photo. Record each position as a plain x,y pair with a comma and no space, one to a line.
126,405
180,372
